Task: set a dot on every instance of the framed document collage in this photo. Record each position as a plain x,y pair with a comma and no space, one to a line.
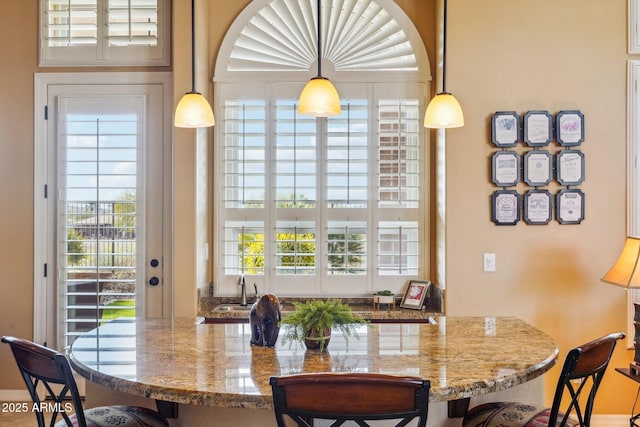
538,167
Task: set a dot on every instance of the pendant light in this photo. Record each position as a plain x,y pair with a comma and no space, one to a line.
444,111
319,97
193,110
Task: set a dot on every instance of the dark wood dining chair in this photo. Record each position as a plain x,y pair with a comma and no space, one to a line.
341,397
49,371
579,381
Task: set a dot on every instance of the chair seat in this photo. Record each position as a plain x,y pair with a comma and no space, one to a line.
121,416
512,414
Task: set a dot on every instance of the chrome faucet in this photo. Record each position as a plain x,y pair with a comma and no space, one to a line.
243,290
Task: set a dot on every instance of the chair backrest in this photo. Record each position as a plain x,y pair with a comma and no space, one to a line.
581,375
43,366
350,396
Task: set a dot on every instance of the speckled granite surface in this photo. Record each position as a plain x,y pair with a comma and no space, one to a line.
383,314
192,362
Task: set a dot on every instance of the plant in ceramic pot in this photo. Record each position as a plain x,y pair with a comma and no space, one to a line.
311,322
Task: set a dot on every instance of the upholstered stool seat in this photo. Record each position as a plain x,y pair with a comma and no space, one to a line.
581,375
513,414
121,416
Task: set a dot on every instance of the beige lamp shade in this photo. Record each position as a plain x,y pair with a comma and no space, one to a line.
319,98
625,271
194,111
443,112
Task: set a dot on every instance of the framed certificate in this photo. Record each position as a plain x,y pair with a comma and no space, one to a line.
569,128
538,128
570,206
570,167
537,207
505,207
537,168
505,129
505,168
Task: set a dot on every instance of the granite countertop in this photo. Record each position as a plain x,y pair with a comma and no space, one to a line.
386,313
189,361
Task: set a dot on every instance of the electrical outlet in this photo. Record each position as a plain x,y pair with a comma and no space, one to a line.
490,262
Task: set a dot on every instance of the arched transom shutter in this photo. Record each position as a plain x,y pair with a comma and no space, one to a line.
356,35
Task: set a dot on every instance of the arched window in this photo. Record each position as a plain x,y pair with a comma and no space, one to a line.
312,206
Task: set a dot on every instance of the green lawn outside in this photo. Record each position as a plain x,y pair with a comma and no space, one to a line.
114,313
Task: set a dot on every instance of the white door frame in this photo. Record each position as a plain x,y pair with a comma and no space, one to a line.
43,318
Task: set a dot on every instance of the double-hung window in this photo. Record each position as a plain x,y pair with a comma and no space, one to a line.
104,32
309,205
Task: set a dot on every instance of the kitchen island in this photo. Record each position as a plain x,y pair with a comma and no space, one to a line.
190,362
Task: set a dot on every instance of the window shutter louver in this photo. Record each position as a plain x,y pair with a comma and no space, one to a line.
132,22
104,32
71,23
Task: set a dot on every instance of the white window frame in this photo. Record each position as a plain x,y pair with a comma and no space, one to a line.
101,54
44,323
321,282
242,60
633,177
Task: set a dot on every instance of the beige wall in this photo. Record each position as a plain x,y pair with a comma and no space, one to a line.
502,55
549,55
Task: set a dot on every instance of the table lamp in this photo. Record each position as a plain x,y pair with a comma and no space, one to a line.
625,273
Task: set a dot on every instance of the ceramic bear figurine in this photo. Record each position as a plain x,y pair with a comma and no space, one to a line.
264,318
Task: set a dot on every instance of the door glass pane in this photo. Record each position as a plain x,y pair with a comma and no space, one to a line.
97,211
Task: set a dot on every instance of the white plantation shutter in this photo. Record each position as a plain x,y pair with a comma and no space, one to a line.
71,23
348,157
97,210
357,36
132,22
104,32
296,157
321,206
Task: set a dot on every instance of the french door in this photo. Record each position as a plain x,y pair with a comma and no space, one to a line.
106,208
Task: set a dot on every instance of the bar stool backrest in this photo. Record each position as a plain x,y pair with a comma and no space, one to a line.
341,397
581,375
50,368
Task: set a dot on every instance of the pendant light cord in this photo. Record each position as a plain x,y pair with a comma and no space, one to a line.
319,43
193,47
444,47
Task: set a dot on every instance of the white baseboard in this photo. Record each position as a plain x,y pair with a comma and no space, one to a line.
14,396
610,420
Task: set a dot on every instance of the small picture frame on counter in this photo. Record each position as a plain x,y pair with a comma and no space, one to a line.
538,128
569,128
505,129
415,294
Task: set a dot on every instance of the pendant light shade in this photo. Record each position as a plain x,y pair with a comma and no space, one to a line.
319,97
444,110
193,110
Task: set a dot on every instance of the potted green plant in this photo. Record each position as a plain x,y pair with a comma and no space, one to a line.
383,297
311,322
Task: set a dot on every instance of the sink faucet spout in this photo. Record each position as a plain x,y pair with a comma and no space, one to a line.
243,291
